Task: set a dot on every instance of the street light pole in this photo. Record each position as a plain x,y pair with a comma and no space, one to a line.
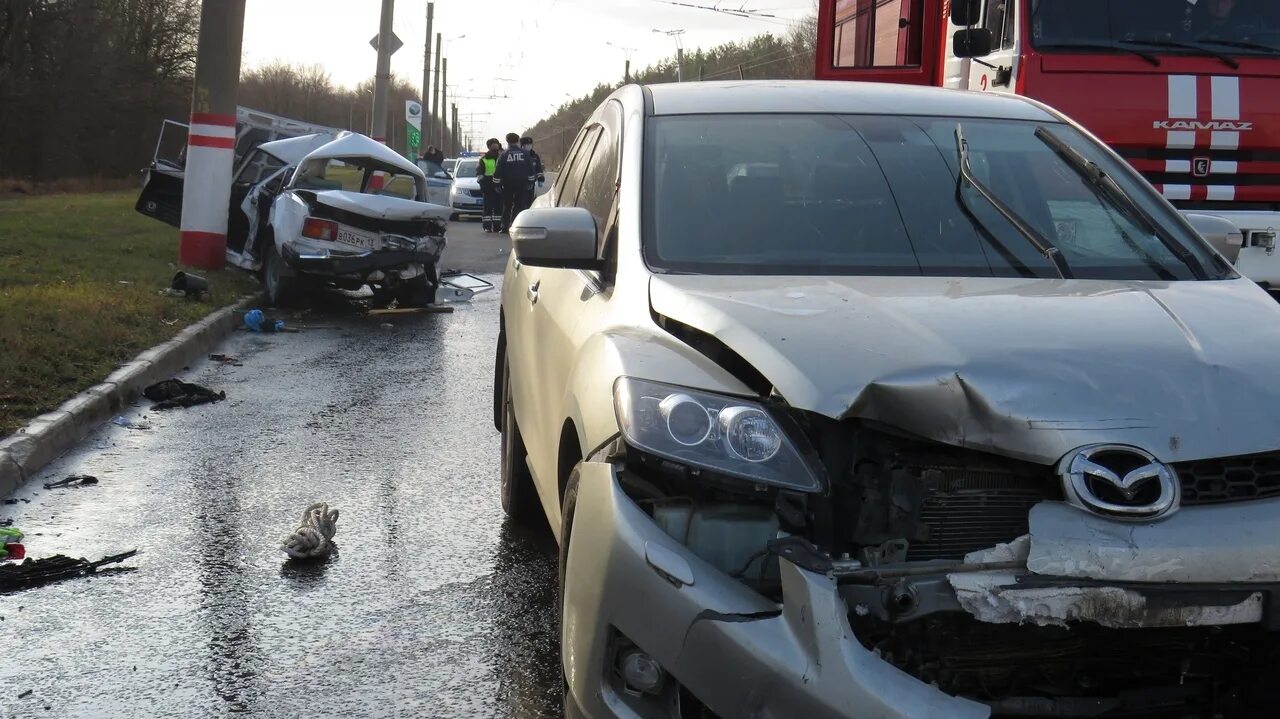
426,78
382,80
444,101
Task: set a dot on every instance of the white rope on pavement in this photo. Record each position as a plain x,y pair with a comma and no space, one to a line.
314,537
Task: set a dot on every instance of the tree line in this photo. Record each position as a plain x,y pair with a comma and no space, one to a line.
306,92
84,83
763,57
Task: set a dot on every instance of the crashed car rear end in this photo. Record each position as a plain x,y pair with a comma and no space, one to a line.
327,209
920,404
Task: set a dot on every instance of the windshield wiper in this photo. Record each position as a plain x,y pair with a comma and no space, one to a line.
1100,46
1042,243
1113,193
1182,45
1242,44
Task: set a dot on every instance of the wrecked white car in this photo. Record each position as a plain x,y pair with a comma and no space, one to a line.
334,210
936,409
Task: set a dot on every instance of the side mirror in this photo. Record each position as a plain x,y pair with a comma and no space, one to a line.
559,237
966,13
973,42
1225,237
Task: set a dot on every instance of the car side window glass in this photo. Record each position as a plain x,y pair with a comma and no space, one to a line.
600,183
878,33
573,183
558,187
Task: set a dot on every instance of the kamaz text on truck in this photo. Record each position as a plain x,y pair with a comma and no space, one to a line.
1187,91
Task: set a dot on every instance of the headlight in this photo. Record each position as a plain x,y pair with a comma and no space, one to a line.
722,434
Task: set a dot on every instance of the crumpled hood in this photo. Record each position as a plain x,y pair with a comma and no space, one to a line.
383,207
1025,368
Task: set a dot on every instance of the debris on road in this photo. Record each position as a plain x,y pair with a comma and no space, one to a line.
174,393
387,326
257,321
122,421
35,572
313,539
429,309
225,359
11,544
83,480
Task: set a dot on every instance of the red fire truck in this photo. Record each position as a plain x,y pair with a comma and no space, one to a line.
1187,91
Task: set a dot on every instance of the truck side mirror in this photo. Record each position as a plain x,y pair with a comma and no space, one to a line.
973,42
966,13
1225,237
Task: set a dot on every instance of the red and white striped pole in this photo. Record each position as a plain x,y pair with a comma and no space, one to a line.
206,189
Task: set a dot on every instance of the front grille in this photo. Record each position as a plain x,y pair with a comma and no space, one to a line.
475,193
968,509
1231,479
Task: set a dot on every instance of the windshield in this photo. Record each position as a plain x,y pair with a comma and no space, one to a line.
859,195
1089,22
466,168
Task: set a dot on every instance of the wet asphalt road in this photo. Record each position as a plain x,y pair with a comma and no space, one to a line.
432,607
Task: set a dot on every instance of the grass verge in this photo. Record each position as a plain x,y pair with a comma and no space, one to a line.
80,283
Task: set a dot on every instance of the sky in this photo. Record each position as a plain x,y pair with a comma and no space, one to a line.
511,62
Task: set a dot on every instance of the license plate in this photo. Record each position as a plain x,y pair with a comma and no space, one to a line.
356,239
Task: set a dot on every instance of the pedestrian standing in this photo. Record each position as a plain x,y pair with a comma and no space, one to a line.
491,220
514,179
526,144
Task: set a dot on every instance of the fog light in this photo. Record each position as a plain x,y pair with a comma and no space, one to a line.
641,672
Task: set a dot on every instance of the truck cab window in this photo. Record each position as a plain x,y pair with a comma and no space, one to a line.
999,19
878,33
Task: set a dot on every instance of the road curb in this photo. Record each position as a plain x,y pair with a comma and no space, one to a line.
46,437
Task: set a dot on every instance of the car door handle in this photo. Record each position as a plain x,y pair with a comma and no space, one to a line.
532,294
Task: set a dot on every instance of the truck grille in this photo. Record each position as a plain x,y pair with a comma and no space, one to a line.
1232,479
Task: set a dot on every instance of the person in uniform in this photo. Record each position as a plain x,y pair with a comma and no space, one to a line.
491,220
514,178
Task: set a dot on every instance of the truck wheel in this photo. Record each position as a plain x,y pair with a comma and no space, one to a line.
281,288
519,498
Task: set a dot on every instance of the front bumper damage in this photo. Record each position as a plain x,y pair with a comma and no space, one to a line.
1135,587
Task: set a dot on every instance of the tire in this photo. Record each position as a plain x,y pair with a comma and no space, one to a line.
281,288
567,506
519,499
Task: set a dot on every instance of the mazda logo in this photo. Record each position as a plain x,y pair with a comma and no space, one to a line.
1119,482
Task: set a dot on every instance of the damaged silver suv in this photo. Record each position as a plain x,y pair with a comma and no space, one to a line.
877,401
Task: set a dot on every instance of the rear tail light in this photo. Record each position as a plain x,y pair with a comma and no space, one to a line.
318,229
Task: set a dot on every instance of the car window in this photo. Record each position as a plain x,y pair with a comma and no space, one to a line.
557,189
998,19
600,181
466,168
402,186
573,183
260,166
825,194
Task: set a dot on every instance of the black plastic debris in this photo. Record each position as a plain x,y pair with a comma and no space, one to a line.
174,393
81,480
35,572
189,284
225,359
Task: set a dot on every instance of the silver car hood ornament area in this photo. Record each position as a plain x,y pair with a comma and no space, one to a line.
1120,482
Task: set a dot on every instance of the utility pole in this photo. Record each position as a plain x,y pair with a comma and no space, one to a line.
679,64
741,75
444,101
454,138
702,71
382,80
626,74
211,140
435,99
426,78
